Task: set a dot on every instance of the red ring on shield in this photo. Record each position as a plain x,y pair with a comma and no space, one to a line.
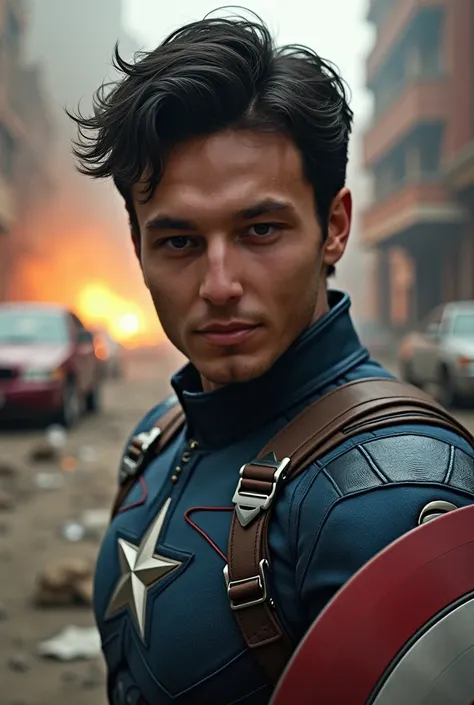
355,641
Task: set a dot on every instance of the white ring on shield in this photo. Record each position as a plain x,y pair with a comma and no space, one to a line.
438,668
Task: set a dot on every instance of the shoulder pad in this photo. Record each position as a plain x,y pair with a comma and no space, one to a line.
405,458
141,430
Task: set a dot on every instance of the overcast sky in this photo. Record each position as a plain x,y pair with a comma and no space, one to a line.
336,29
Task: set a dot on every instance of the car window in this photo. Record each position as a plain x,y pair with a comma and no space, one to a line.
32,327
463,325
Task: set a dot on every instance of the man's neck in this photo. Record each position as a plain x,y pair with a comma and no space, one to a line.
208,386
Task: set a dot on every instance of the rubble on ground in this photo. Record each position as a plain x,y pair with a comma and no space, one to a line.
8,469
44,452
91,525
71,644
19,663
7,501
68,582
49,480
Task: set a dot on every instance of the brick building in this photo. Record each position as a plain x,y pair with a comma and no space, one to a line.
11,29
420,151
25,141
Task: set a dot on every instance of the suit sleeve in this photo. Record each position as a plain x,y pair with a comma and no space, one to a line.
355,529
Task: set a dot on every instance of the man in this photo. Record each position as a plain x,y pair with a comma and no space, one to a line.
231,156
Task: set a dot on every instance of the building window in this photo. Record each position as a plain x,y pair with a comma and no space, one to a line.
431,44
418,56
415,159
12,32
7,152
431,159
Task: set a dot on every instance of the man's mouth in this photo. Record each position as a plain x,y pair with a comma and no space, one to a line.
232,333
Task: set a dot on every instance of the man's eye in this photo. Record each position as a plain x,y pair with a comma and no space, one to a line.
262,229
179,242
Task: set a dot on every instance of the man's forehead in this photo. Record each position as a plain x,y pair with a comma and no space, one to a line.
236,147
242,166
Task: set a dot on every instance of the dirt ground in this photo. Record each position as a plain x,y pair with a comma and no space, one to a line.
31,521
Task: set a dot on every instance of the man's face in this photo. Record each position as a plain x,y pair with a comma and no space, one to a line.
232,251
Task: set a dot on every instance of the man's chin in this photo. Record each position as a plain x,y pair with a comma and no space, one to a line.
231,372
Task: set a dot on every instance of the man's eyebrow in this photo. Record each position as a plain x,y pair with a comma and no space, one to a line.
264,207
268,205
167,222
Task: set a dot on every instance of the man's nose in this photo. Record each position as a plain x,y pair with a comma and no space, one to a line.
221,282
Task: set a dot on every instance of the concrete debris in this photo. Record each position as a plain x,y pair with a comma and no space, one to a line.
73,531
49,480
88,679
69,582
96,520
19,663
8,469
94,678
72,644
68,463
87,454
56,436
70,677
44,452
7,501
91,525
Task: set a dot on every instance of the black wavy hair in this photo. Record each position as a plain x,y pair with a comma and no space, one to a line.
204,77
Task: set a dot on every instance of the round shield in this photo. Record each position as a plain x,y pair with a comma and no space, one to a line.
400,631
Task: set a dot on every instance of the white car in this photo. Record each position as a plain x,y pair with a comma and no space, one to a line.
441,353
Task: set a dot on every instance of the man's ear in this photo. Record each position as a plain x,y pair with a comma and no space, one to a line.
339,227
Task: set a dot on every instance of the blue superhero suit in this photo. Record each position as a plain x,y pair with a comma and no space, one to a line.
168,634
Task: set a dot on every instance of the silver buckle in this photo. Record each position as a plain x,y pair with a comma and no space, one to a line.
250,504
130,465
261,578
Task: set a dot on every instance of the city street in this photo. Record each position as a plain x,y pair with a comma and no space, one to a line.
37,497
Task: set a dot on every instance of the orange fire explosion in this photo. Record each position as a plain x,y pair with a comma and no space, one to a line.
92,270
100,306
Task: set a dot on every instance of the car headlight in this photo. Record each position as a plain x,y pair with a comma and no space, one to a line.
41,374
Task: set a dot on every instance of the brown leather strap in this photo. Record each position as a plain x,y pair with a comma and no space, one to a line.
168,426
349,410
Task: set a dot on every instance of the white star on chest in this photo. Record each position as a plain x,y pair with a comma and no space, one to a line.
141,569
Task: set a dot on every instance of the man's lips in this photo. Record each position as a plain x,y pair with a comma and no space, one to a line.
230,334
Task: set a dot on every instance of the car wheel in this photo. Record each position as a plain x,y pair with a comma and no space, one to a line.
93,400
447,396
71,405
